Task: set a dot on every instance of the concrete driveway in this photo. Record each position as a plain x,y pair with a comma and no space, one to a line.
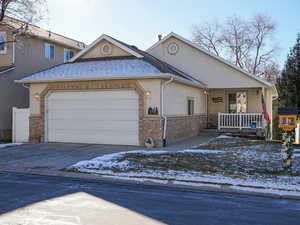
52,157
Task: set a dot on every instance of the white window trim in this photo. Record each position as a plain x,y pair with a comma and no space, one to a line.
187,100
67,49
45,51
5,44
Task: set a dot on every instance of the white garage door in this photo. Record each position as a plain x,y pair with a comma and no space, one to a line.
99,117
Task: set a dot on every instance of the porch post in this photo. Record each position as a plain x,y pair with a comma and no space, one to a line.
219,121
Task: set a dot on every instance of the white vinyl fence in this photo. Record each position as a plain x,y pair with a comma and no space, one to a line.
20,126
240,120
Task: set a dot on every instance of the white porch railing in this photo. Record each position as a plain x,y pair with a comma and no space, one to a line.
240,120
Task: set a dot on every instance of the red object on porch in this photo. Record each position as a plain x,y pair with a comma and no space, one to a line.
264,108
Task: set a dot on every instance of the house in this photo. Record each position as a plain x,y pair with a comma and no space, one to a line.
115,93
30,50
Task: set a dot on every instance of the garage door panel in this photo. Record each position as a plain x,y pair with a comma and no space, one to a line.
119,116
108,94
118,139
94,125
100,117
100,104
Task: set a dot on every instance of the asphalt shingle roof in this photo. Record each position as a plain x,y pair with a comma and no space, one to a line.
112,67
97,68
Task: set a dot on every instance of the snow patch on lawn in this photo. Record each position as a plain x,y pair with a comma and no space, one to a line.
10,145
111,161
225,137
127,165
296,154
203,151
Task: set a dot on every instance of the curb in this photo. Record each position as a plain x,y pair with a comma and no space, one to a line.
221,188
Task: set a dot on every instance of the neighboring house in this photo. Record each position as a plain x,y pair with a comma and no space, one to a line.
28,52
114,93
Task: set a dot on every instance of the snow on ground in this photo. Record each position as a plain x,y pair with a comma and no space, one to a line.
10,145
246,164
203,151
224,137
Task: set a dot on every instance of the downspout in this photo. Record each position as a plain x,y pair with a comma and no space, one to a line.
14,49
162,109
206,101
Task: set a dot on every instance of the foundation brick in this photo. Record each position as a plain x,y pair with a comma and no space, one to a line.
182,127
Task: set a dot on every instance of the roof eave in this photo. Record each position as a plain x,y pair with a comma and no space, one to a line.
7,70
156,76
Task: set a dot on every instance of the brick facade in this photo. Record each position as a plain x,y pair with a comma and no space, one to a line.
178,127
182,127
148,126
153,127
36,128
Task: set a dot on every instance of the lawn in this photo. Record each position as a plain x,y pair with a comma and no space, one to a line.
222,160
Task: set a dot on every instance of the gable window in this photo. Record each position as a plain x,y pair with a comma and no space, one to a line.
49,51
68,54
190,106
237,102
2,43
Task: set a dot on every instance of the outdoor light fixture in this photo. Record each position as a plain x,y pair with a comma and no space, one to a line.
206,92
148,93
37,96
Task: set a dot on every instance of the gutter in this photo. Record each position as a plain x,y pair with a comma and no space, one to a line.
159,76
9,69
162,110
56,42
276,96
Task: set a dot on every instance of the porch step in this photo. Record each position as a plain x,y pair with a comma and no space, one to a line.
210,130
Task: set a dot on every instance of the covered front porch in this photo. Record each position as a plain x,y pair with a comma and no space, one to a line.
238,109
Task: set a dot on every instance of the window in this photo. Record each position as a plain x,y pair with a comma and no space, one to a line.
49,51
190,106
237,102
68,54
2,43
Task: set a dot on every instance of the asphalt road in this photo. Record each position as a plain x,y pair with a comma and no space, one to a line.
39,200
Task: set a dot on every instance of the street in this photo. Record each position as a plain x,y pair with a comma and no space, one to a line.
58,200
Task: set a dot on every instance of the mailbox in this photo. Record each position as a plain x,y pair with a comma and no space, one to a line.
287,118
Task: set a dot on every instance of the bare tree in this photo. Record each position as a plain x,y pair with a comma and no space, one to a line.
248,44
262,30
208,35
237,40
18,14
28,11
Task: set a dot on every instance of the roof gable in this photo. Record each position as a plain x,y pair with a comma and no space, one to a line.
95,50
40,33
229,66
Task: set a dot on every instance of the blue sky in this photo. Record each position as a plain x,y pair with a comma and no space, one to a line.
139,22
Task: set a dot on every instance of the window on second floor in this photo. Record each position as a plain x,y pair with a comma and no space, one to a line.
2,43
49,51
68,54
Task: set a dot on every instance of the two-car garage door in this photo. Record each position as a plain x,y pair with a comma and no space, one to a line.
99,117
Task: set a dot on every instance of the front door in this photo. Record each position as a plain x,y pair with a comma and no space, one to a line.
237,102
